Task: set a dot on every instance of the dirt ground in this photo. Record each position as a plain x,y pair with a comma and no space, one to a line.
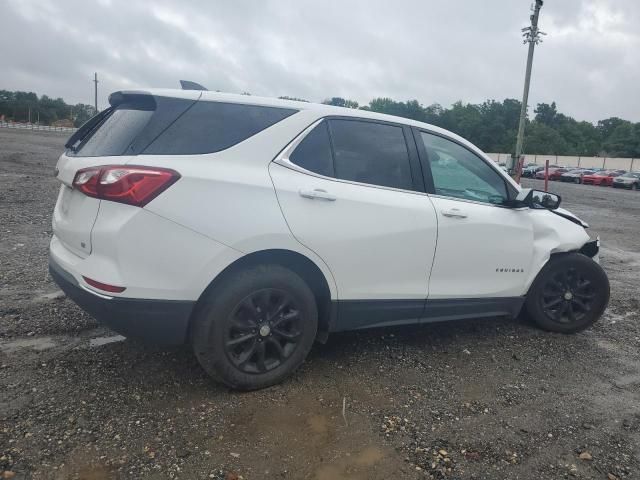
486,399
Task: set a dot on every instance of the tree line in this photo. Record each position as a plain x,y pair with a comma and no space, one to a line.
27,106
491,125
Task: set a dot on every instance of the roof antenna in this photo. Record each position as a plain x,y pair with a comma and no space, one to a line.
189,85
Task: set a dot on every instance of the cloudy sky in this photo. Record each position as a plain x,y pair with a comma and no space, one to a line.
431,50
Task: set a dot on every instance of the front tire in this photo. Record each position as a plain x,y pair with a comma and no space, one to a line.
256,327
569,294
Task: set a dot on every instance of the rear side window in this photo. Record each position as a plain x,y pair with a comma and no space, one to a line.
314,152
369,152
209,127
144,124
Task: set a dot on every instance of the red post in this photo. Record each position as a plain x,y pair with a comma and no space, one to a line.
546,176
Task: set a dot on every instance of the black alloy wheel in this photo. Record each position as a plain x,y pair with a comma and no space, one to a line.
263,332
255,326
569,294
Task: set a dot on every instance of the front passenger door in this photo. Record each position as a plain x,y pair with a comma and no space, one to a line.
484,248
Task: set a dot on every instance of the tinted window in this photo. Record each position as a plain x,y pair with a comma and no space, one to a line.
114,133
314,152
457,172
370,152
213,126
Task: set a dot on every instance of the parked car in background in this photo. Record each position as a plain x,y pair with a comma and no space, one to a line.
531,170
630,180
604,178
554,173
199,217
575,176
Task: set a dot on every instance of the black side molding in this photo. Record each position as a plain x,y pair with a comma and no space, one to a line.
464,308
356,314
360,314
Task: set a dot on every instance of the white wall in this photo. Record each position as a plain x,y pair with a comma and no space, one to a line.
572,161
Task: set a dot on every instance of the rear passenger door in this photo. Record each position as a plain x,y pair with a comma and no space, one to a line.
352,191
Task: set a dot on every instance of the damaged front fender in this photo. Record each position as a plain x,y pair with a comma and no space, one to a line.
553,233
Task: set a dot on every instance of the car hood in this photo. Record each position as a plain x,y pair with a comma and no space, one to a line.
570,216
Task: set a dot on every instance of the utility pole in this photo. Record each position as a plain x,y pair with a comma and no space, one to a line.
532,37
95,98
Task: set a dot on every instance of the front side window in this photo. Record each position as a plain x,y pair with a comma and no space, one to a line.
457,172
372,153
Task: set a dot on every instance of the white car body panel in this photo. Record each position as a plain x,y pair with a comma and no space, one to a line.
483,254
162,269
378,242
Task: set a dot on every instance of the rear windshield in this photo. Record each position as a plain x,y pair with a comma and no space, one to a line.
143,124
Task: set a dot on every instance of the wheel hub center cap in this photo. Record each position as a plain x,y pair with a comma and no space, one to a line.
568,296
265,330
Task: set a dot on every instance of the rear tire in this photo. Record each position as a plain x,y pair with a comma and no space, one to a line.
576,180
569,294
256,327
634,186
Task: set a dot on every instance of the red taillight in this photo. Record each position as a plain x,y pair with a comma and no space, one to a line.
104,286
128,184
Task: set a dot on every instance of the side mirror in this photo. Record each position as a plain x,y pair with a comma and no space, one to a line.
540,199
534,199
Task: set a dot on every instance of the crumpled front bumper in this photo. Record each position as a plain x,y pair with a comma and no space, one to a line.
592,249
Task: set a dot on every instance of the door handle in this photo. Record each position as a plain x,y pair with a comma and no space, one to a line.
317,193
454,213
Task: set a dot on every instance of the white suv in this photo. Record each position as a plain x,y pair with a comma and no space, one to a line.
251,227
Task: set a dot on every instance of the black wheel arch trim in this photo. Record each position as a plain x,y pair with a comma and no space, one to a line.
300,264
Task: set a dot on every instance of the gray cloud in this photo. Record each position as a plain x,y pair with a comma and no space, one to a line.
434,51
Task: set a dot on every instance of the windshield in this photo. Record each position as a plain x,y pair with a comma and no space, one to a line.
631,175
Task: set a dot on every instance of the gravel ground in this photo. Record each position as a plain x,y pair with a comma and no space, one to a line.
490,399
